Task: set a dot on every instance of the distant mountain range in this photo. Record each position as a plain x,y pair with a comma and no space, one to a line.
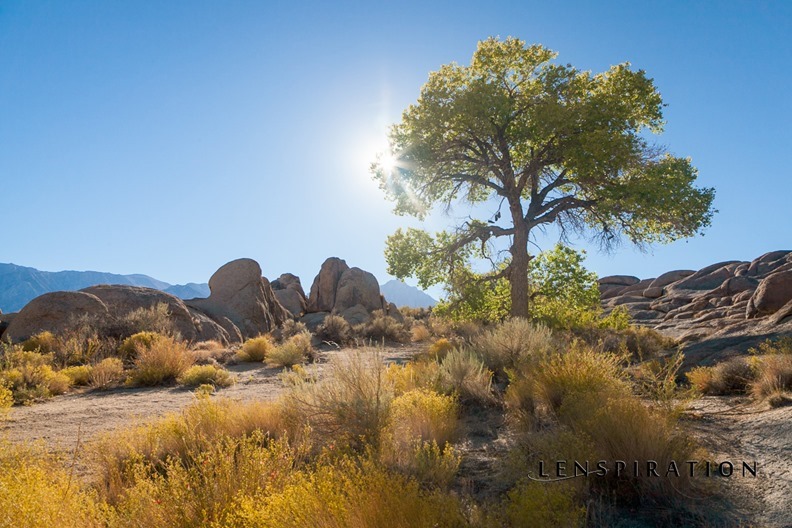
20,284
402,294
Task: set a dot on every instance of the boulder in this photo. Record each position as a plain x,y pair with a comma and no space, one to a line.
637,288
357,287
769,262
773,292
779,316
323,289
5,320
291,300
356,314
313,320
653,292
54,312
393,311
619,280
670,277
120,300
707,278
240,294
289,292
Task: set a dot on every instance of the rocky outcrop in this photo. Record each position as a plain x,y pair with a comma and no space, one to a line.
730,304
241,296
290,294
54,312
351,293
191,325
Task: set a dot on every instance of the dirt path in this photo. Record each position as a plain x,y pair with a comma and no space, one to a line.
735,429
64,420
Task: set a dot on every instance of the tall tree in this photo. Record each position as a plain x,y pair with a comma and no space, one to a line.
548,142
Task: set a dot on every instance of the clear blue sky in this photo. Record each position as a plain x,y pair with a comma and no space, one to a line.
170,137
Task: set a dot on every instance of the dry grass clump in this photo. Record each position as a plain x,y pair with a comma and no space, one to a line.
727,377
255,349
6,401
540,504
773,378
180,436
512,343
293,351
44,342
420,333
106,373
350,493
384,327
153,319
79,375
335,329
206,374
128,349
420,374
423,415
164,360
29,375
349,405
290,328
36,492
440,348
463,372
211,352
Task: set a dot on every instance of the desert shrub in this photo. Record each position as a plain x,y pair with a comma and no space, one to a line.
6,401
424,415
292,352
154,319
210,352
384,327
290,328
440,348
773,377
727,377
129,347
512,343
165,359
540,504
353,494
255,349
780,345
79,375
44,342
420,374
349,405
420,333
657,381
463,372
106,372
203,489
30,376
179,436
335,329
39,492
206,374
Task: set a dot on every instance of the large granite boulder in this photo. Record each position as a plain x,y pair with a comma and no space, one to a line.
773,292
191,325
242,296
323,289
357,287
53,312
290,294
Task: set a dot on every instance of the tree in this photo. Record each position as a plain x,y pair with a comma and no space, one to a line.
552,144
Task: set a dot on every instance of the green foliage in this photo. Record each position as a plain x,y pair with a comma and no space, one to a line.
554,144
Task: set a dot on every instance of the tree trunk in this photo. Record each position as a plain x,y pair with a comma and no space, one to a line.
518,275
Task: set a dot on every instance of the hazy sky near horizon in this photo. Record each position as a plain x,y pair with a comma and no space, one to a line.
167,138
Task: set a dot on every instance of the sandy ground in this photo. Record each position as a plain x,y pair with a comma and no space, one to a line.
64,421
736,429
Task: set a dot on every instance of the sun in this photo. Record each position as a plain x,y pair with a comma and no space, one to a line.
387,162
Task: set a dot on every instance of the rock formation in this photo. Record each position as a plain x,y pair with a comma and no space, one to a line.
53,312
290,294
723,308
241,296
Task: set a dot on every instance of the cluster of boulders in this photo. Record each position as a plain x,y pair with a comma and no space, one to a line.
242,303
726,303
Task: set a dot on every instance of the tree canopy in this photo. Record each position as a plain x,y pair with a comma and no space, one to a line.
551,144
